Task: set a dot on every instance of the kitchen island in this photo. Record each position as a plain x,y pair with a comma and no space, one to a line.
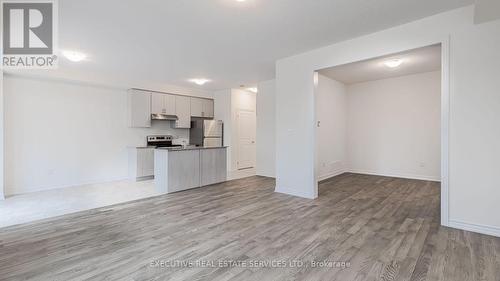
178,169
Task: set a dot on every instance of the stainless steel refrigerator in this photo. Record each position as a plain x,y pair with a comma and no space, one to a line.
207,133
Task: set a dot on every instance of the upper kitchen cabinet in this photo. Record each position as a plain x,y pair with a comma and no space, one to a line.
183,112
143,106
139,109
196,107
163,104
208,108
202,107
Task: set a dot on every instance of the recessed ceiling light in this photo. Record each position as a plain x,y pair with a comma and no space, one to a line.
393,63
74,56
240,0
199,81
253,89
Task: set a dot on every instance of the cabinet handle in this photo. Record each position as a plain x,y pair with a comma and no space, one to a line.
202,114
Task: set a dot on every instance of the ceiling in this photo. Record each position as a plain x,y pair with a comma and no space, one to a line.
152,43
414,61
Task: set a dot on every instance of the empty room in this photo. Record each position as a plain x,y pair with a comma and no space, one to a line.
250,140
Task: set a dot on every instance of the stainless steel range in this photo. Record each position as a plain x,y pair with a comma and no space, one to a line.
161,141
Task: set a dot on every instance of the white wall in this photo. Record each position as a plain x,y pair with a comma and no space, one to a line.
394,126
227,104
331,135
266,142
474,128
222,111
295,172
486,10
474,109
61,134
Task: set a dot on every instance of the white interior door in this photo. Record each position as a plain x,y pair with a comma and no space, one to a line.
246,139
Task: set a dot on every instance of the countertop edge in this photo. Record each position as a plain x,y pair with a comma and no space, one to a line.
189,148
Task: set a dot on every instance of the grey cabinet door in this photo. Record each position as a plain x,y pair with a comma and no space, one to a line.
148,162
157,104
163,104
196,107
183,112
208,108
213,166
169,102
139,109
183,170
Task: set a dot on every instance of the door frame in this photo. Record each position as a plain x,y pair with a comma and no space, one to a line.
445,122
445,131
238,152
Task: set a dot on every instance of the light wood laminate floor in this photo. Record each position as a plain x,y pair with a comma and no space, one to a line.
384,228
33,206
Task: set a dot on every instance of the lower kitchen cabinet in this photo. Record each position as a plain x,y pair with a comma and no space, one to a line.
141,164
183,170
177,170
213,166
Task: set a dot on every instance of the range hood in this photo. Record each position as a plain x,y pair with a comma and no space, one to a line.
163,117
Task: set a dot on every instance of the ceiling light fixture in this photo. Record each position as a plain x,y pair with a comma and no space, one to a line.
393,63
74,56
240,0
253,89
199,81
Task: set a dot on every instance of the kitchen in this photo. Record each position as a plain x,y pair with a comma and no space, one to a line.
98,155
118,162
176,167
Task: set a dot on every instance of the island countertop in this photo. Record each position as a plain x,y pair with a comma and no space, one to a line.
174,148
189,148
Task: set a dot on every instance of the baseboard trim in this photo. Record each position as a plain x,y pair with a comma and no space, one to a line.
267,175
331,175
42,188
478,228
144,178
403,176
293,193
